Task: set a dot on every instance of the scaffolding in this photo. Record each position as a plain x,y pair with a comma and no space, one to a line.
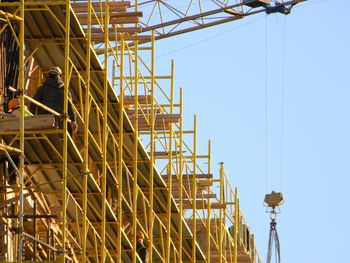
131,167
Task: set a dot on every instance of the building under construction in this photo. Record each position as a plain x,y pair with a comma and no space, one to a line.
131,167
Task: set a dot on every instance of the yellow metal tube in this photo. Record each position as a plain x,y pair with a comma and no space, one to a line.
181,180
65,129
221,222
86,132
21,161
236,222
170,181
170,164
150,213
194,191
120,156
136,145
209,208
105,137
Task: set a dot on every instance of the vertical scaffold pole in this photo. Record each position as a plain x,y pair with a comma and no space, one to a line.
209,206
136,135
105,135
86,131
221,210
236,227
172,87
170,165
194,190
150,214
65,129
120,156
21,163
170,181
181,178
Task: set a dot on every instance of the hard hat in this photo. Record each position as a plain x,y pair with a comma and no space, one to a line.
140,235
56,71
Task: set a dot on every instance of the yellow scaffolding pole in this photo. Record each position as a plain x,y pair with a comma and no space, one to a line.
181,180
208,237
221,222
21,164
105,135
136,145
152,146
170,181
170,165
86,132
194,191
236,227
65,129
120,156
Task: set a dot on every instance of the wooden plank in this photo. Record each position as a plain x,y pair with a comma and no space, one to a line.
83,9
161,121
119,30
241,258
142,99
198,202
79,8
218,206
204,196
98,4
201,205
112,15
159,125
198,176
145,113
36,122
114,37
164,154
156,128
187,184
158,119
112,21
158,116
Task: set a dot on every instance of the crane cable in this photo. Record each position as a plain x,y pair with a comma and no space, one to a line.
282,106
273,234
282,101
266,110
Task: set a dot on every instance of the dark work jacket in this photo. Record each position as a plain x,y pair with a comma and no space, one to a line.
142,252
50,93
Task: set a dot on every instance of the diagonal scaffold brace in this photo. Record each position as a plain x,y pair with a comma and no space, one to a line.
273,201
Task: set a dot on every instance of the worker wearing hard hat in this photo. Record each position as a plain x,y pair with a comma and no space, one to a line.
140,248
51,94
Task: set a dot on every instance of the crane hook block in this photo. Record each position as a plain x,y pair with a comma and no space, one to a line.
274,199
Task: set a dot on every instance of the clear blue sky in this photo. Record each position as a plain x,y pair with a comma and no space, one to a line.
224,84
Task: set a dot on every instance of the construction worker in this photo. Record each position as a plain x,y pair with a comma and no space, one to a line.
14,106
140,248
51,94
